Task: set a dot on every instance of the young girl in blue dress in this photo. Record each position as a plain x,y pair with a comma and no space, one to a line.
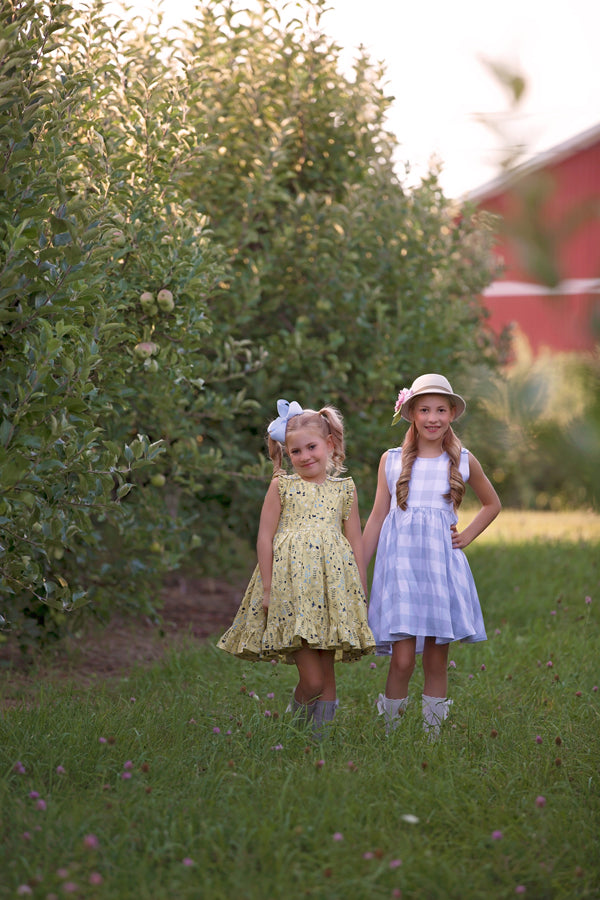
305,603
423,594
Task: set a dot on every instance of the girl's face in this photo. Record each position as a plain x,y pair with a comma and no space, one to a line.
309,453
432,415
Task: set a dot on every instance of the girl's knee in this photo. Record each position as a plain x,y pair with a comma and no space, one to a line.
311,687
402,665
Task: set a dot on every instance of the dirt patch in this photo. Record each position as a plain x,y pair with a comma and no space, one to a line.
198,608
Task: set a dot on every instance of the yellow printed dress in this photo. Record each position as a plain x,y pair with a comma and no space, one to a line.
316,592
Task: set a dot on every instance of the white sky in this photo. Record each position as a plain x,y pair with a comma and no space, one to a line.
432,50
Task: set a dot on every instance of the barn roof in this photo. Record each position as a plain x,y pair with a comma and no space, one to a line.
539,161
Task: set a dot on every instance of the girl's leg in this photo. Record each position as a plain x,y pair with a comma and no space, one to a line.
435,668
402,666
435,702
393,703
315,675
328,669
326,705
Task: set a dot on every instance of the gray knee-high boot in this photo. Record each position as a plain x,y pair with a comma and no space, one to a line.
392,710
435,711
323,716
302,712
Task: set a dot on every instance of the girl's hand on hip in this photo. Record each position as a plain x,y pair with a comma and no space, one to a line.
458,541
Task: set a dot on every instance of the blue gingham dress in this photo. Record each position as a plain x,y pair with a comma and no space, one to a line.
422,586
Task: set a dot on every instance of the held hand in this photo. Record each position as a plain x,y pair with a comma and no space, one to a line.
266,600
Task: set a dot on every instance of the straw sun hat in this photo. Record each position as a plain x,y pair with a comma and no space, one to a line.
426,384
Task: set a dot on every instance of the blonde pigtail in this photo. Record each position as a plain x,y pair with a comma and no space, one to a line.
335,425
276,456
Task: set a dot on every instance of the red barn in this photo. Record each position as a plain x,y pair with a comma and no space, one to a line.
549,244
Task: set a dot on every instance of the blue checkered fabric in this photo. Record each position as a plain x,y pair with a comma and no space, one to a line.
421,586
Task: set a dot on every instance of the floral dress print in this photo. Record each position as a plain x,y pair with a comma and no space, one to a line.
316,591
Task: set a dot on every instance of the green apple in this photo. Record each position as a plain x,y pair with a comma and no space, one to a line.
146,349
164,298
147,301
158,480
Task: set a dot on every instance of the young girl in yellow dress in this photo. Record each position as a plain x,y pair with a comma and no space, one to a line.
305,603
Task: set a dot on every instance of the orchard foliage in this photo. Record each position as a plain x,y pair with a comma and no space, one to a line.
191,225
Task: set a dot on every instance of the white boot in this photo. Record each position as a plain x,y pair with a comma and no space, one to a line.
323,716
435,711
392,710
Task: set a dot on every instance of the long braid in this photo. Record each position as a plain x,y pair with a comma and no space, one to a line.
409,454
452,445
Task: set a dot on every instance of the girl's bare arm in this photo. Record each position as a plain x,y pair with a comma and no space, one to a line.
269,520
490,506
381,508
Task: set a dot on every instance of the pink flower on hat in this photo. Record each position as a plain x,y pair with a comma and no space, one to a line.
404,395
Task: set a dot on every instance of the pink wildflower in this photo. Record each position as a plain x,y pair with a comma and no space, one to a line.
540,801
395,863
338,836
41,804
538,739
91,842
96,878
497,835
60,770
187,861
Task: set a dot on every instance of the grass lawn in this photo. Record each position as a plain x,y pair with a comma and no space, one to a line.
187,780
